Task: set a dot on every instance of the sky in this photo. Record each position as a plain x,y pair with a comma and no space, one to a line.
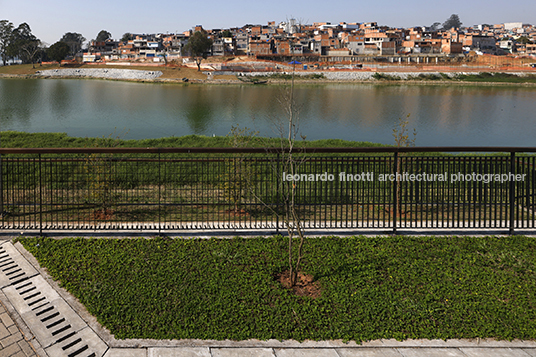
50,19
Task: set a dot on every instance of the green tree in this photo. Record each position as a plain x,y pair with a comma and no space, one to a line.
436,26
524,40
103,36
31,50
58,51
6,33
126,37
226,33
24,44
452,21
74,41
197,47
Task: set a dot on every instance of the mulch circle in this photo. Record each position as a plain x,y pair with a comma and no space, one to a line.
102,214
305,285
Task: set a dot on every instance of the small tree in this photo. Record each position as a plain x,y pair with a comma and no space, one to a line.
239,175
198,46
452,21
99,170
435,26
402,139
74,40
127,36
289,162
103,36
58,51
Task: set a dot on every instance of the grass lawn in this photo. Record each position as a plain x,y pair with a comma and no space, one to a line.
371,287
15,139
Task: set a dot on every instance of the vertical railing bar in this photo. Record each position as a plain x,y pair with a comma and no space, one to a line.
512,193
159,193
395,193
40,196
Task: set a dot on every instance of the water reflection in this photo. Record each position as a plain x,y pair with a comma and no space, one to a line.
198,111
442,115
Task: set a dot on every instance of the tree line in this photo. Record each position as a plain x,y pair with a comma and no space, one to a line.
19,43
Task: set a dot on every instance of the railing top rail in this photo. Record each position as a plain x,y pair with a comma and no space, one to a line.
228,150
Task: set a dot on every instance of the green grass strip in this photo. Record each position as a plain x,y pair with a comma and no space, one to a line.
15,139
372,288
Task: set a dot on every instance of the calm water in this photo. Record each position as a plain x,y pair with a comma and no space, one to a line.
442,115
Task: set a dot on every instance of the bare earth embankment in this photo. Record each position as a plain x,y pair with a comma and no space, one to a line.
180,74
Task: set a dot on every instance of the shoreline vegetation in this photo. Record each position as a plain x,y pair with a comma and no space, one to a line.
176,75
15,139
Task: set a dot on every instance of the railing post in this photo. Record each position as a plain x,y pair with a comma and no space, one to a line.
395,194
1,189
159,193
40,197
512,193
277,191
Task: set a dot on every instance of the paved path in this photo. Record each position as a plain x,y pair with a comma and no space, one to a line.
12,339
22,334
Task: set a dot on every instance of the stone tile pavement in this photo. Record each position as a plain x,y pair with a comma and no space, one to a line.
12,339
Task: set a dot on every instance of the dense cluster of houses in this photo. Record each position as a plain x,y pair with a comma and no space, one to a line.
325,39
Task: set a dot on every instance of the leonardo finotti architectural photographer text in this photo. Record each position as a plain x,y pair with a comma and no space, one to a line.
405,176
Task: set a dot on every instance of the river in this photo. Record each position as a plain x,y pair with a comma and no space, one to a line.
443,115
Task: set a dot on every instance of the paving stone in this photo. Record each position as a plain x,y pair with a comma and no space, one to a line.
530,351
4,332
6,319
494,352
178,352
305,352
13,329
368,352
26,348
11,339
18,354
430,352
242,352
126,352
10,350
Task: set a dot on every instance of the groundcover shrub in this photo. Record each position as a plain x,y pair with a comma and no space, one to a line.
371,287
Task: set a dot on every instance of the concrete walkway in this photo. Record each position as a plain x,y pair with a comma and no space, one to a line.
31,303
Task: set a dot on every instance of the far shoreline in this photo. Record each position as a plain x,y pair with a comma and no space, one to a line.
177,75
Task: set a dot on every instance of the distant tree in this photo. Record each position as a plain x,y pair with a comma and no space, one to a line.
126,37
6,33
198,45
436,26
74,41
24,45
452,21
58,51
524,40
103,36
226,33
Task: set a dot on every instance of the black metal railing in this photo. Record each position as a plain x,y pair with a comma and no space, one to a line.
173,189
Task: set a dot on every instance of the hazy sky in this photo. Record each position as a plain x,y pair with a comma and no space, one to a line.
50,19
